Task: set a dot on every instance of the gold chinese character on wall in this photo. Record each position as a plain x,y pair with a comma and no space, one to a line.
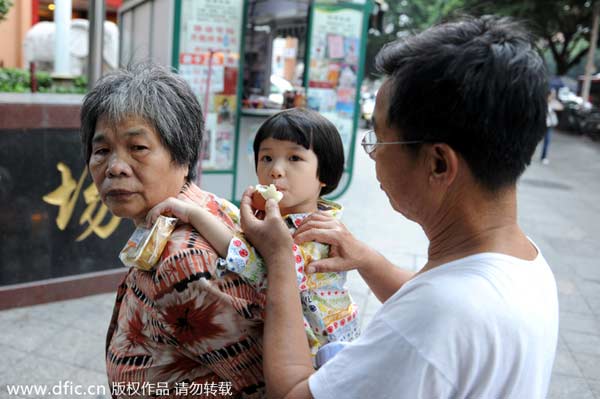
65,197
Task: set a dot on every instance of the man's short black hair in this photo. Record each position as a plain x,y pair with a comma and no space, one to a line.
478,85
312,131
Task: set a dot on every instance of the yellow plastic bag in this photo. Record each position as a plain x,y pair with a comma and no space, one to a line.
144,247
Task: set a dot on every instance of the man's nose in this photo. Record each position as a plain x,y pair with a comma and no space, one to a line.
117,166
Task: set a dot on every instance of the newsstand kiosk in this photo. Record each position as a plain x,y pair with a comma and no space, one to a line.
246,60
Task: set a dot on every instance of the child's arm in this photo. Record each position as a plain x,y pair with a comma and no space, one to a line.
207,224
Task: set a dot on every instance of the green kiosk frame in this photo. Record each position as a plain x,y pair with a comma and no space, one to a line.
221,47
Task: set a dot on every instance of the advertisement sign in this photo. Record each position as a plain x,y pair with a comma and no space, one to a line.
333,68
209,56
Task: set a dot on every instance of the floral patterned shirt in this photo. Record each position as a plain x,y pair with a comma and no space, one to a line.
181,325
329,312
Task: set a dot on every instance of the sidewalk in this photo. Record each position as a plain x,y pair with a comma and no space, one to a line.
559,209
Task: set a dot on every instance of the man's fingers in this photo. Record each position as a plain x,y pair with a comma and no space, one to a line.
315,224
322,236
246,212
326,265
272,209
316,217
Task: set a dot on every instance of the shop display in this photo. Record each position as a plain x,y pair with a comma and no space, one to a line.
209,56
334,65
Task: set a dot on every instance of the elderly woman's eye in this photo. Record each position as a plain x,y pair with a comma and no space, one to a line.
139,147
100,151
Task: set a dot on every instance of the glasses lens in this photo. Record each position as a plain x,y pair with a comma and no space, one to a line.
370,140
364,142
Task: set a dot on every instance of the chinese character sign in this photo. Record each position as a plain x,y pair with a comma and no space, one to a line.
65,197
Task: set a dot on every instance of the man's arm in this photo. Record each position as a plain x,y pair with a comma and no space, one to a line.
382,276
348,253
287,363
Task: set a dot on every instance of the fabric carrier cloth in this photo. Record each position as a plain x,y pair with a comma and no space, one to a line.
329,312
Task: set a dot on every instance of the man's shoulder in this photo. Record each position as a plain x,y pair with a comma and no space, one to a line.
474,300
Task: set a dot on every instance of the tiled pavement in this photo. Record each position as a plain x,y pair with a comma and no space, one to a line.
559,209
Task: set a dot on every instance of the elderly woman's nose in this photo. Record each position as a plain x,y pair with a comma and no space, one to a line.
117,165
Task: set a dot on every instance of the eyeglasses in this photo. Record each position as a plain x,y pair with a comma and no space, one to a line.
369,142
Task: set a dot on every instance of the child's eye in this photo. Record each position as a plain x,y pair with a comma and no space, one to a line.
295,158
265,158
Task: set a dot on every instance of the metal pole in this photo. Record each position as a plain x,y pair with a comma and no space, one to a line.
62,38
96,40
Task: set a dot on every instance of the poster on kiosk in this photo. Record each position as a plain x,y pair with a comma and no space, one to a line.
334,69
209,60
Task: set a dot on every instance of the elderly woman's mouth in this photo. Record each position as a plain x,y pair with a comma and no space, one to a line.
119,194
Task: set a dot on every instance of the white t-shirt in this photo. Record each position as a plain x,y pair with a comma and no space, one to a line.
484,326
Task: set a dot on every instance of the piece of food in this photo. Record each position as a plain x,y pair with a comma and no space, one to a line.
263,193
144,247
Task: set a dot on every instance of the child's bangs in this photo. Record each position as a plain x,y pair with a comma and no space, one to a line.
284,129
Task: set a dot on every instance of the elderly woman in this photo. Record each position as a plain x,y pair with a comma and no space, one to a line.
456,123
178,326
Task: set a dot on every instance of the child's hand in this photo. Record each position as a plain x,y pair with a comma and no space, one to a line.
170,207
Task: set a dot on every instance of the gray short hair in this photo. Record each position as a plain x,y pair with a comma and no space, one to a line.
153,93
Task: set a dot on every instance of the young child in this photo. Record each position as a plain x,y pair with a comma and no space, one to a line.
301,153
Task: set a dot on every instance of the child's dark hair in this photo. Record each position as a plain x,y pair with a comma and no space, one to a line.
313,132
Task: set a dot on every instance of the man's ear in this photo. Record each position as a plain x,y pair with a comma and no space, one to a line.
443,164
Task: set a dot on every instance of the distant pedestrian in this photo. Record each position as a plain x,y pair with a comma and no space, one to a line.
551,121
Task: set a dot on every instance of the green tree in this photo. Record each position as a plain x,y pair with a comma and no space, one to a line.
404,17
565,25
4,8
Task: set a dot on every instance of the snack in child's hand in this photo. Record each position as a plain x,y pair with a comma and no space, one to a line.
263,193
144,247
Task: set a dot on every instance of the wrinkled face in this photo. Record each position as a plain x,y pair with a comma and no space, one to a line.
132,169
397,170
293,170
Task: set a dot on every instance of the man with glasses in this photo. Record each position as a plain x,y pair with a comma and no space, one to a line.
456,123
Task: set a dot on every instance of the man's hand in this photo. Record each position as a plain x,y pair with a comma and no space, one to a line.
346,252
287,363
269,236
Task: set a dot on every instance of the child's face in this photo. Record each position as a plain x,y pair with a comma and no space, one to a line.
293,170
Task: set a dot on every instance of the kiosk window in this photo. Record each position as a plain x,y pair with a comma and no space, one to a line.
274,52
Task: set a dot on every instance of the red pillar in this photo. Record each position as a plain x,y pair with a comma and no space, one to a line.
35,15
